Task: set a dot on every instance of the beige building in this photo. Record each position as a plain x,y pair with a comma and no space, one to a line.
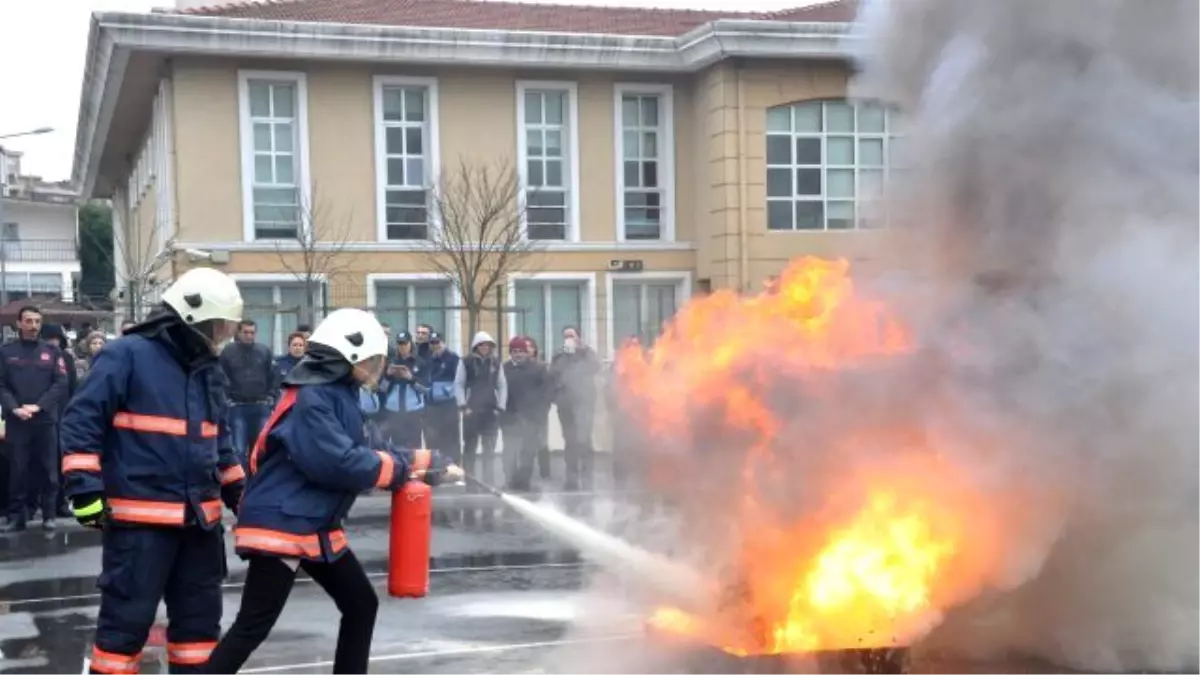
666,152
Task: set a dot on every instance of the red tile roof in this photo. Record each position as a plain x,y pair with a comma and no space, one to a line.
494,15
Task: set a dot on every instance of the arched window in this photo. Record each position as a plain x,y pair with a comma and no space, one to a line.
825,161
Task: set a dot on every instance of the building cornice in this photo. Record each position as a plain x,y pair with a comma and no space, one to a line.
114,36
423,246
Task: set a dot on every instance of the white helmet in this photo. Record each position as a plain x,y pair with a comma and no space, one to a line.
353,333
204,294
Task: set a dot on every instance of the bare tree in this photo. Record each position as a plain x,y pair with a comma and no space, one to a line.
477,237
314,256
138,255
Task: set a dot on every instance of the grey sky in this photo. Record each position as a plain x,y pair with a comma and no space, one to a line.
42,45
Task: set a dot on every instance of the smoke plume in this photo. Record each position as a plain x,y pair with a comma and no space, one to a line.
1053,205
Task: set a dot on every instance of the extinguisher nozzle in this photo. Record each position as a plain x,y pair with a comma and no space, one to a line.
471,480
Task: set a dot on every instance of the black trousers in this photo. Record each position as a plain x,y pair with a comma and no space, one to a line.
269,583
33,466
142,566
520,452
442,432
480,427
576,421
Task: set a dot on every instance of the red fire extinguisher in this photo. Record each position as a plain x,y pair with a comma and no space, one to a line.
412,525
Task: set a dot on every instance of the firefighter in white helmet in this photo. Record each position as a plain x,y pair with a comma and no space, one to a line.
310,463
147,457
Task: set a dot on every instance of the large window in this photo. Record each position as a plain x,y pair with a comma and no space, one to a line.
404,305
826,162
546,151
277,309
642,308
274,156
406,121
645,151
544,308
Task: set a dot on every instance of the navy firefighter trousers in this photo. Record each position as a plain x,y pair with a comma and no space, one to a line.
141,566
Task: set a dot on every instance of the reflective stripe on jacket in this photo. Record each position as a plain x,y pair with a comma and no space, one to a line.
150,435
309,465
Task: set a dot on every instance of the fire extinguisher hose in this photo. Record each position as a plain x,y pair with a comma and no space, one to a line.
494,490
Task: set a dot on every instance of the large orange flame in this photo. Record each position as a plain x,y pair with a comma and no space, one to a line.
864,571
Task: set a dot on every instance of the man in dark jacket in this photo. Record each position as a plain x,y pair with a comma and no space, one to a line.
33,384
527,383
481,392
574,370
250,369
441,413
422,344
53,334
148,459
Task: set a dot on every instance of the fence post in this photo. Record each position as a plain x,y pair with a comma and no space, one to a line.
499,319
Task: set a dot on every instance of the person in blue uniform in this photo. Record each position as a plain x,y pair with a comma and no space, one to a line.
148,459
441,422
306,470
33,386
402,394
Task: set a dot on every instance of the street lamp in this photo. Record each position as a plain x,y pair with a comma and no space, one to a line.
3,238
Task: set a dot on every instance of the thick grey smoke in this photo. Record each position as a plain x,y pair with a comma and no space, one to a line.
1053,204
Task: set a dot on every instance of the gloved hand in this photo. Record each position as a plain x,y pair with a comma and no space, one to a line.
232,495
89,509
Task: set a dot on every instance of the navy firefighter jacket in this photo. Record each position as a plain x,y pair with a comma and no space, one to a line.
147,429
305,477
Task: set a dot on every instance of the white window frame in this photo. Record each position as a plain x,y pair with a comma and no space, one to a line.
588,308
433,155
683,293
452,333
246,141
572,148
666,152
275,280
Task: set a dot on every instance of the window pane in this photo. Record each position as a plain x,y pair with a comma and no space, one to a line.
779,149
633,174
533,143
627,311
660,301
808,181
870,152
870,118
554,107
412,141
808,117
554,173
629,111
554,144
414,104
650,144
543,215
870,183
650,174
283,137
262,136
415,171
548,198
529,300
391,306
406,198
259,306
840,150
779,183
395,171
533,107
283,169
808,151
565,309
650,111
394,140
275,196
779,119
810,215
839,117
534,173
841,215
429,303
779,215
393,104
284,97
630,147
895,152
407,232
839,183
260,99
263,169
547,232
292,305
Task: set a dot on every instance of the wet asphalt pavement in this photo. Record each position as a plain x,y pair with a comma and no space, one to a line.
504,598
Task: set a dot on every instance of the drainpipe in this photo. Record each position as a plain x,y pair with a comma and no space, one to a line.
743,207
